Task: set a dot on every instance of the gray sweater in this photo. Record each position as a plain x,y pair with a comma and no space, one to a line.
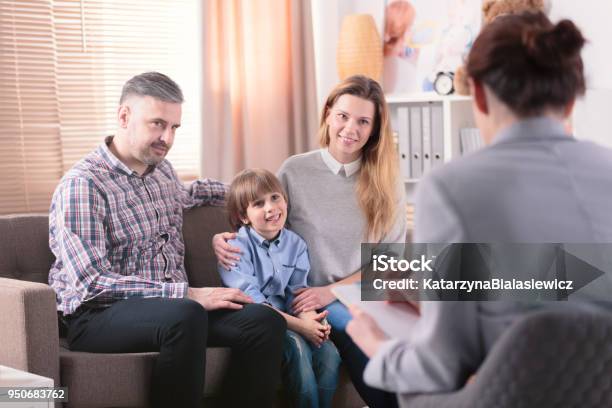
323,210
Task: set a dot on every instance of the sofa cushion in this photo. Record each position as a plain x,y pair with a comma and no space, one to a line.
88,376
199,226
25,253
24,247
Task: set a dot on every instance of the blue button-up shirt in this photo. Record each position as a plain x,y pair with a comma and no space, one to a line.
269,271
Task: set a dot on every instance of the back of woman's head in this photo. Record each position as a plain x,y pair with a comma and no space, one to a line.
530,64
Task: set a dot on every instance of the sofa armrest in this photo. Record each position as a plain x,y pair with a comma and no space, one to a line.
29,338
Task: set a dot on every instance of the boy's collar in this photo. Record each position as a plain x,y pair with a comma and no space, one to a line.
263,242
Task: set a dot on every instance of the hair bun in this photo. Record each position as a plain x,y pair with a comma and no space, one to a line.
550,48
569,38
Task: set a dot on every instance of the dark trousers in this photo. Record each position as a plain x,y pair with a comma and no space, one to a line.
180,330
355,362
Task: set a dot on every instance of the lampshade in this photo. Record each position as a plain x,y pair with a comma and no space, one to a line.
359,47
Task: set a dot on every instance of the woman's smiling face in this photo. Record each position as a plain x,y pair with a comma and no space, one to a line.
350,121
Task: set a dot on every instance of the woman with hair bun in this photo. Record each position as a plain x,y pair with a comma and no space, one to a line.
533,183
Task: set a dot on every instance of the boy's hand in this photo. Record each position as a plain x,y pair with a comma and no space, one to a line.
319,317
313,331
328,328
226,254
313,314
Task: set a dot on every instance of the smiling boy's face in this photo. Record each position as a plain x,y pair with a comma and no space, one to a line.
267,214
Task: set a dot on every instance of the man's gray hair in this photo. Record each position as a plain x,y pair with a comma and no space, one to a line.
154,84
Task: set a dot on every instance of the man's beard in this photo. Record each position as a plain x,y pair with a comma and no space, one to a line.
151,159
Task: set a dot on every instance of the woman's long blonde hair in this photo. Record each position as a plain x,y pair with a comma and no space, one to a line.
377,186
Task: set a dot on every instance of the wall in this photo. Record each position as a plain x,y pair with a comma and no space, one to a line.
591,118
592,16
327,19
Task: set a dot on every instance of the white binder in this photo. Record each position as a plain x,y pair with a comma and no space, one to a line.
416,151
426,137
437,135
403,134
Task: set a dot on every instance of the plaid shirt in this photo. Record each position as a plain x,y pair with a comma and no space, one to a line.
116,234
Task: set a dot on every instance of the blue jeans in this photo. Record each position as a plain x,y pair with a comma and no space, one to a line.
338,316
354,359
310,374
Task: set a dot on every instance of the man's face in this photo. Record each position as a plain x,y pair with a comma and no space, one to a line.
150,126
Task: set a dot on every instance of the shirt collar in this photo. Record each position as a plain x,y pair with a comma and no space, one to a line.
532,128
335,166
261,241
114,163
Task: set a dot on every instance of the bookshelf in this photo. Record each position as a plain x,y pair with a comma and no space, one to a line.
435,121
452,112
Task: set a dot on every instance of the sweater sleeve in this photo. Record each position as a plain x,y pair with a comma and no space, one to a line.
443,352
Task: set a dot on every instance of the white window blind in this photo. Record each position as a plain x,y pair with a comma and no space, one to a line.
30,148
62,66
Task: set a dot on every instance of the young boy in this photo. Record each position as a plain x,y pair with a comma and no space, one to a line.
273,265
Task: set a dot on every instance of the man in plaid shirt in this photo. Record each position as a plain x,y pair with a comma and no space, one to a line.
115,228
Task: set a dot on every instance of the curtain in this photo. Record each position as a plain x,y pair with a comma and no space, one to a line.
259,100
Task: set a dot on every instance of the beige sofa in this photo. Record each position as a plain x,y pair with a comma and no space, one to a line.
29,335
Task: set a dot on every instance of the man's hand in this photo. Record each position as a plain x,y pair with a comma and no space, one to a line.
365,332
226,254
309,299
219,298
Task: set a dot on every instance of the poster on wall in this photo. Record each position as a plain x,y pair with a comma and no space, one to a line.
423,38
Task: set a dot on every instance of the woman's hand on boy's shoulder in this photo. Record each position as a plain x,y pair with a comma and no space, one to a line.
226,254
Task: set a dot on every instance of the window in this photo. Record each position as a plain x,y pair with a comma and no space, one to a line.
62,66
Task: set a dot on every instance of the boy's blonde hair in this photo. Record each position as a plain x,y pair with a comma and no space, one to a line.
248,186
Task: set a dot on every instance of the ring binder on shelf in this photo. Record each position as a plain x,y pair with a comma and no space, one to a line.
416,162
404,141
426,137
437,135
